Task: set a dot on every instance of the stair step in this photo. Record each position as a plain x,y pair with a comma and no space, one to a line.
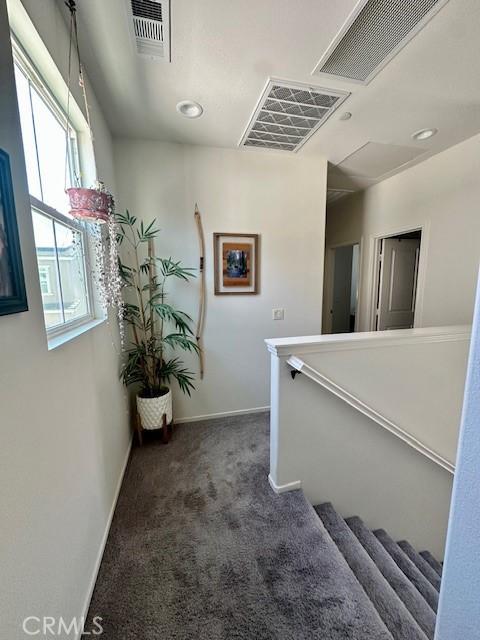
396,617
433,562
415,576
399,582
431,575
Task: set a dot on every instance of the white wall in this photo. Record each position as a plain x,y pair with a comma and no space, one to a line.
280,197
64,427
419,386
459,606
442,194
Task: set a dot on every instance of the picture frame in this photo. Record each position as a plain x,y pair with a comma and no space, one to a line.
236,263
13,297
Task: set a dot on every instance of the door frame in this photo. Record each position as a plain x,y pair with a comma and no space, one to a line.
421,273
329,276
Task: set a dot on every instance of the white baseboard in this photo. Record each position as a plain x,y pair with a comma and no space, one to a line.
223,414
283,488
98,561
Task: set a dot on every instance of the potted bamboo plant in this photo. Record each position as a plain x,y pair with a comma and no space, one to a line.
157,329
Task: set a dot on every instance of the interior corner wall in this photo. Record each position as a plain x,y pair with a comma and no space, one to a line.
443,195
459,605
64,423
279,196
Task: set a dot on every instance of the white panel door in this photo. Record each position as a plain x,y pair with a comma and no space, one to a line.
398,283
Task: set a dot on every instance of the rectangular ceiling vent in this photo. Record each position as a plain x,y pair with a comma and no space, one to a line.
151,28
288,114
373,34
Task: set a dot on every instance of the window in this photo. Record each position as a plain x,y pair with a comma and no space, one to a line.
60,240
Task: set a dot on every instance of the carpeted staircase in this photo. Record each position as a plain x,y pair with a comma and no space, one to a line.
403,585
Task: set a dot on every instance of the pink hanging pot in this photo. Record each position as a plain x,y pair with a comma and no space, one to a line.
90,205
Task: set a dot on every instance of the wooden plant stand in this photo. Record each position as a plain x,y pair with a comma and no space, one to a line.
166,429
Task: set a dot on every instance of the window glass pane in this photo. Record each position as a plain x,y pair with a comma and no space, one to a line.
47,262
72,272
28,134
60,248
50,136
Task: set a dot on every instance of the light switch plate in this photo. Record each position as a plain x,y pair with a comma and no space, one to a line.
278,314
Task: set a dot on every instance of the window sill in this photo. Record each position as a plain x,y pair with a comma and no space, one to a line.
56,341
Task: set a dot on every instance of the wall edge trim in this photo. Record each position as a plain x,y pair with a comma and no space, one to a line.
222,414
283,488
103,542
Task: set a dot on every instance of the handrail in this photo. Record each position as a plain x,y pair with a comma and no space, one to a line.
366,340
297,364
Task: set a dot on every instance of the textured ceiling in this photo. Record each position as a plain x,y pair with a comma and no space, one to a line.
223,52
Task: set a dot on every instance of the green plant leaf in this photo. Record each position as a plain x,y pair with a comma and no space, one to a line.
180,319
126,273
170,268
173,369
180,340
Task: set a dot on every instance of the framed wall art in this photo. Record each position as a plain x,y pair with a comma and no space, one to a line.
13,297
236,263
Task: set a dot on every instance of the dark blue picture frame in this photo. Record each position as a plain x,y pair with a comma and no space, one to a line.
17,301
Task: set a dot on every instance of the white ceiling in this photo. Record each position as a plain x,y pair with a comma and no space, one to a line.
223,52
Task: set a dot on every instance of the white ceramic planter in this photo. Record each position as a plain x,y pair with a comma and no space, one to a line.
151,410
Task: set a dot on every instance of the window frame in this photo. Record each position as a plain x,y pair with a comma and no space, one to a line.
29,70
76,226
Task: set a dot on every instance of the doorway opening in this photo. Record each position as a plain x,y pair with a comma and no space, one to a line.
397,260
343,309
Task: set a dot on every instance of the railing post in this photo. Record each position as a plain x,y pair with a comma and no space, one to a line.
274,417
281,449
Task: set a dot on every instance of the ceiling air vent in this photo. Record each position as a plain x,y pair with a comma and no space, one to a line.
151,28
288,114
373,34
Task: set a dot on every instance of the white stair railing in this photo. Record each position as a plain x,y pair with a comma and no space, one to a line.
377,432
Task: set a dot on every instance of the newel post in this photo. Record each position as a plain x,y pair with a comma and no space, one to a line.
281,426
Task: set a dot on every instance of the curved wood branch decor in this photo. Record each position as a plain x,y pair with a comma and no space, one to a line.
201,302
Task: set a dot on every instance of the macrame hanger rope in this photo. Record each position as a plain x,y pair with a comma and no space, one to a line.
67,130
72,7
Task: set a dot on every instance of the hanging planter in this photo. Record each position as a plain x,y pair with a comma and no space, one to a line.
94,205
90,205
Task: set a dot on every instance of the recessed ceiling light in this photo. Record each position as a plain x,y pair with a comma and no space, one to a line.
190,109
424,134
346,116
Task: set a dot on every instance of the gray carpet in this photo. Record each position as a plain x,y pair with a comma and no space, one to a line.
415,576
403,587
392,610
431,575
433,562
201,548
